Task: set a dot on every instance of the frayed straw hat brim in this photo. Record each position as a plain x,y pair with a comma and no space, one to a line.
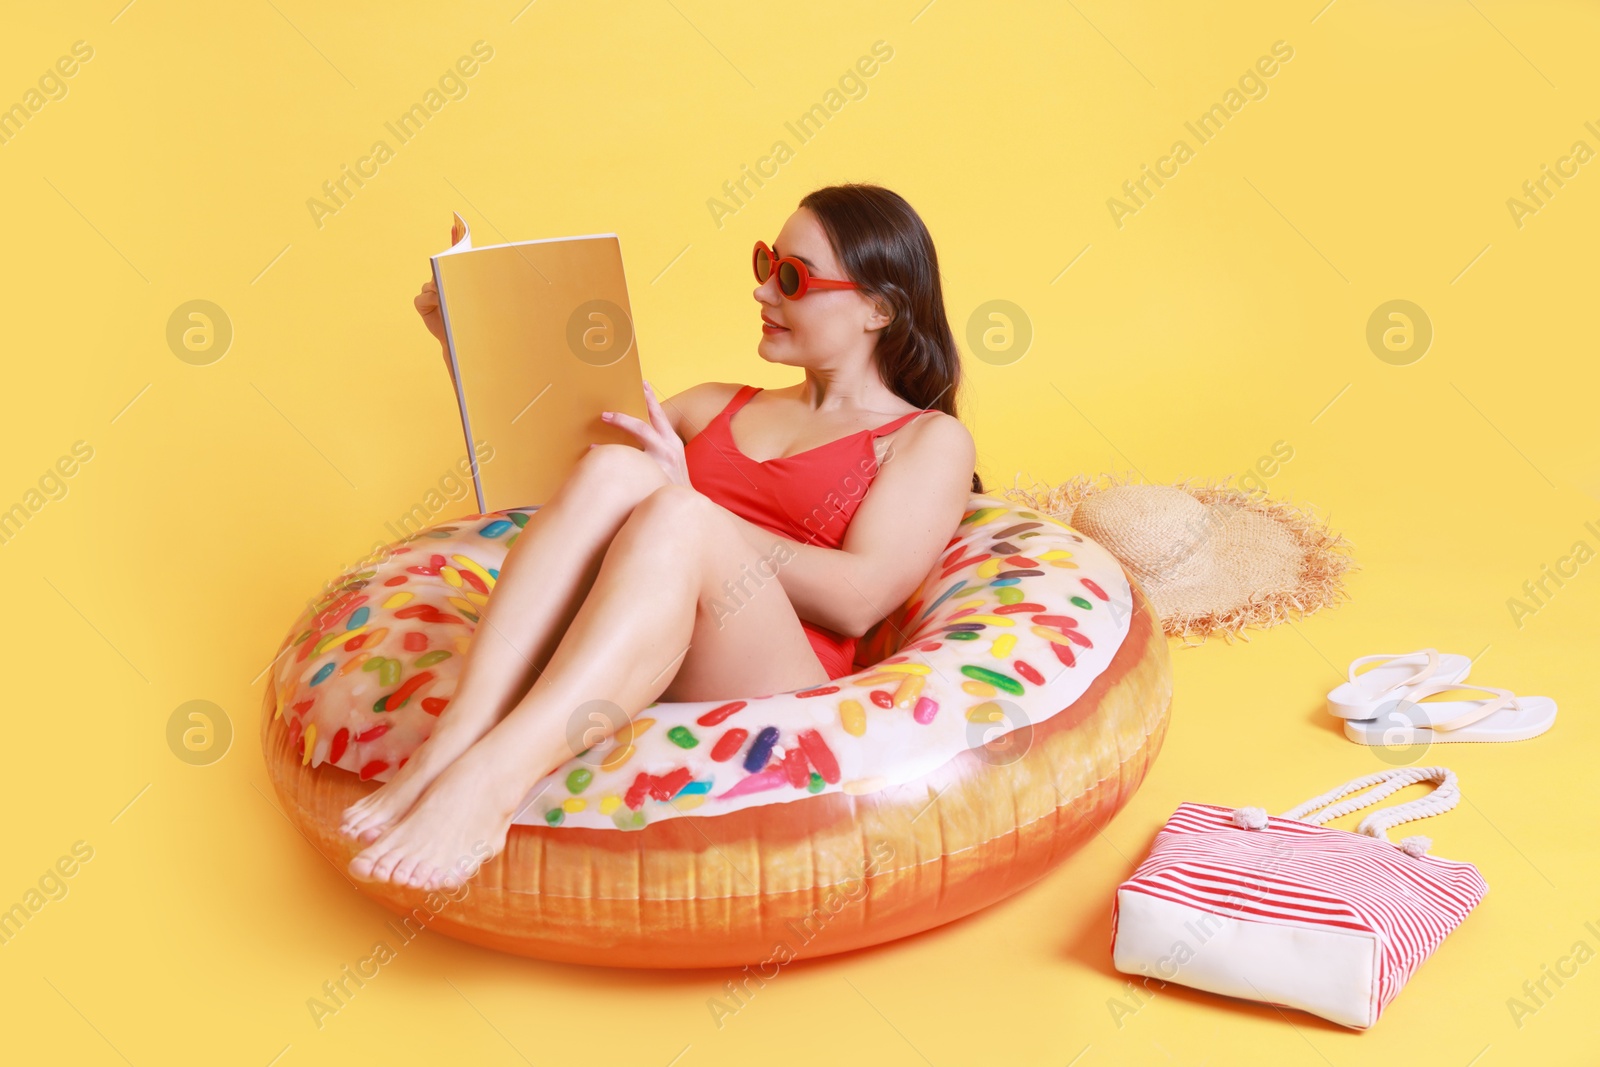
1213,559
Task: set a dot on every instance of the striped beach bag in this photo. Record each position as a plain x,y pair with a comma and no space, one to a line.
1282,910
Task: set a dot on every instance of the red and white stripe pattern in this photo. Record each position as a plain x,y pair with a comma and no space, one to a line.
1295,874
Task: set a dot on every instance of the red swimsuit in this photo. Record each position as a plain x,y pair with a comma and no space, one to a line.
807,497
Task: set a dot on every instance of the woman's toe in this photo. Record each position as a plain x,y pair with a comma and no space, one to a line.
402,870
361,866
385,865
361,820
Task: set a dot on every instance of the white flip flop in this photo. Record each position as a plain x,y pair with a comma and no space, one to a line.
1393,678
1501,716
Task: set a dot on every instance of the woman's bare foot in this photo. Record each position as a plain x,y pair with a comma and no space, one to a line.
457,730
460,822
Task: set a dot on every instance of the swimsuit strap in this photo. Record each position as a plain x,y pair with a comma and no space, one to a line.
740,399
895,424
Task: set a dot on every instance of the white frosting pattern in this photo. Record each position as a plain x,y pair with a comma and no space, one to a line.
364,672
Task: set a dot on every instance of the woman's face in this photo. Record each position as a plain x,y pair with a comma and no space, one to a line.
824,327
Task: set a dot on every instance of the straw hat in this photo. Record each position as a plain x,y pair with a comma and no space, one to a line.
1212,559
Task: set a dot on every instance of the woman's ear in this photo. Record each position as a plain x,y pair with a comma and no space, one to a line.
882,313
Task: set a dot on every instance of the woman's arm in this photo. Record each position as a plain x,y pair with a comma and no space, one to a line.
910,512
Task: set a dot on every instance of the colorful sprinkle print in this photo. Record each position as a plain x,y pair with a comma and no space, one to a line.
1012,617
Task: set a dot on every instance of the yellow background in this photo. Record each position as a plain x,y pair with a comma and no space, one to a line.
1226,316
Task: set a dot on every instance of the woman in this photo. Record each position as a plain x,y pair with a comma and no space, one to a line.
713,561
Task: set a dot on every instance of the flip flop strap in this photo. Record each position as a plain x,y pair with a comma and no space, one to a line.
1503,698
1429,668
1446,795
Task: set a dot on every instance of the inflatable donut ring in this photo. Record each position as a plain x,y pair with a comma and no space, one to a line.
1001,715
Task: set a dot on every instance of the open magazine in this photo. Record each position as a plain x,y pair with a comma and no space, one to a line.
541,341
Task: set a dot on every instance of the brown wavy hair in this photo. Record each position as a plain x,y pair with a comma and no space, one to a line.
884,247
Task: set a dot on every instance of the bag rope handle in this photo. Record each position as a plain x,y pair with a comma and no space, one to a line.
1446,795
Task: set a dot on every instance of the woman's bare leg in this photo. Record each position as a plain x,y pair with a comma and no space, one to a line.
543,582
649,620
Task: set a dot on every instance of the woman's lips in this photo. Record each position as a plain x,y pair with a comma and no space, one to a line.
769,327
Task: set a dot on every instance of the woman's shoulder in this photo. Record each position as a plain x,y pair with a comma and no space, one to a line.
692,409
939,429
937,439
